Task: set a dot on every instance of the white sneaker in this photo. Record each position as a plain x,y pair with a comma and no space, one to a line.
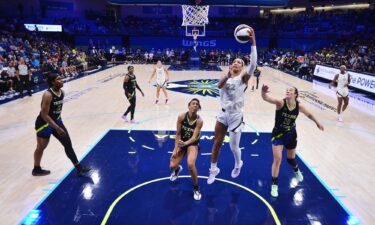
274,190
299,176
340,119
212,175
197,195
237,170
125,118
133,121
174,176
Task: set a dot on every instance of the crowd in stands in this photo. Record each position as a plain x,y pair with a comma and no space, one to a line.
335,23
24,54
175,56
357,56
345,26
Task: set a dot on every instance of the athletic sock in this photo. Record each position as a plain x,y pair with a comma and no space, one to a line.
213,166
274,180
176,171
293,163
78,167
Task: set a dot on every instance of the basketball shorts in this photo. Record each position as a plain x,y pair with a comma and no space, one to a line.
44,130
185,148
233,120
131,96
161,83
286,138
342,93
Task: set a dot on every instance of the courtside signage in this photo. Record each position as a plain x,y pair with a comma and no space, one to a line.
43,27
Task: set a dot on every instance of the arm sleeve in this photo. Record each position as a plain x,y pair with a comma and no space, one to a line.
253,61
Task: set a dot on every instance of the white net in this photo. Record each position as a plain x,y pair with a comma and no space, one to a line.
194,15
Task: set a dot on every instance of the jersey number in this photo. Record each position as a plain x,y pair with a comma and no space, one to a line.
230,87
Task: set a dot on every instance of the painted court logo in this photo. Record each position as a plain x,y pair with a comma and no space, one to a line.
204,87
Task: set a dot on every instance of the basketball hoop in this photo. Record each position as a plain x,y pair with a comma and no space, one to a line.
195,15
195,18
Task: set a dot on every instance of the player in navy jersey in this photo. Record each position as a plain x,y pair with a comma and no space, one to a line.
284,133
129,85
189,125
49,122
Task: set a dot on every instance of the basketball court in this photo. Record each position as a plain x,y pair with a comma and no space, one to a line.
129,181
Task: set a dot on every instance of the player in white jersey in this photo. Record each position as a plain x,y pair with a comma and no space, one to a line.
162,77
342,81
232,90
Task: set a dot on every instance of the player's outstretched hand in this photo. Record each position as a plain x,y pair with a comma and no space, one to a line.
265,89
251,33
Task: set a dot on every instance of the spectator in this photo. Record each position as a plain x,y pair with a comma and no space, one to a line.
24,76
6,83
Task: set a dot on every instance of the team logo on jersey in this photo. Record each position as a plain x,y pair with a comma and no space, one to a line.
204,87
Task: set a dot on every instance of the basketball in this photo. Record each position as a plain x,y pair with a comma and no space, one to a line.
241,33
